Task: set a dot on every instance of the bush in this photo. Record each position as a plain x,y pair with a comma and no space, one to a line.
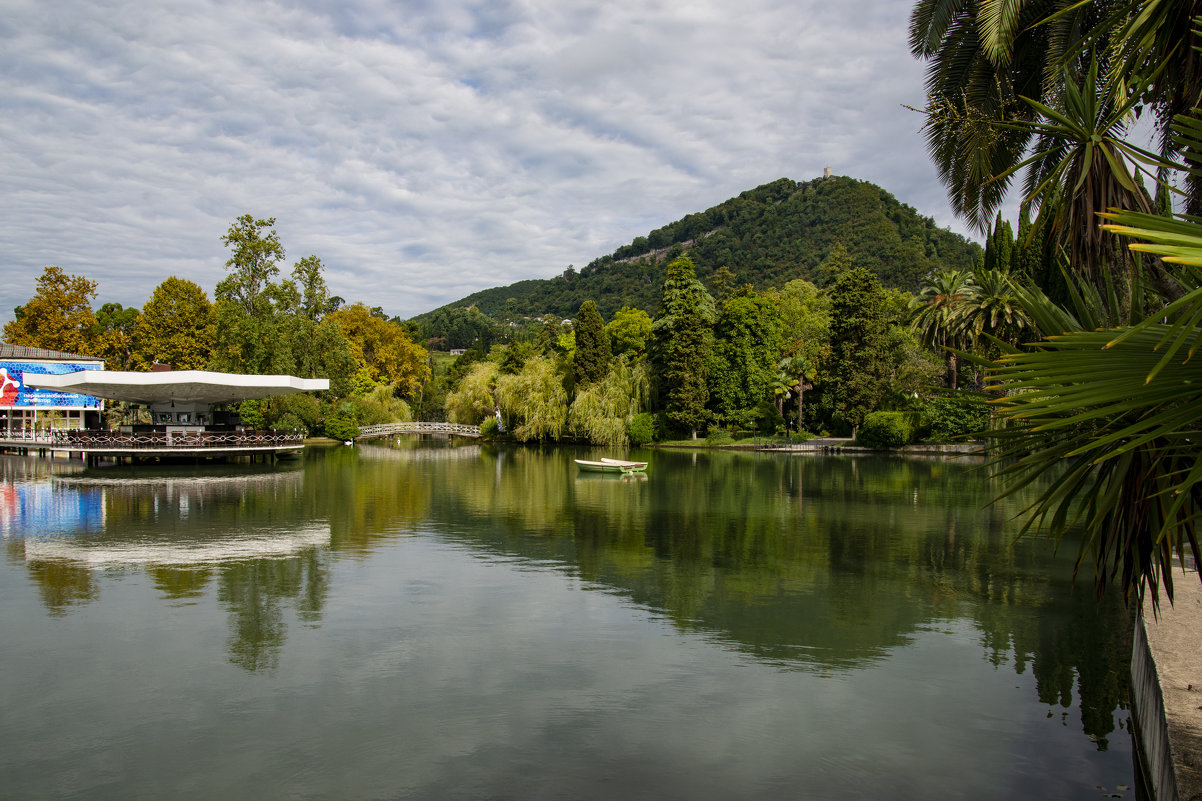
341,426
886,430
489,428
641,429
953,416
719,436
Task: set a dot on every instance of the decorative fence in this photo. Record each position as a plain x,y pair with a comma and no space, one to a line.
174,440
388,429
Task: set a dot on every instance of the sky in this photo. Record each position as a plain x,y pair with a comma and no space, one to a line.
425,150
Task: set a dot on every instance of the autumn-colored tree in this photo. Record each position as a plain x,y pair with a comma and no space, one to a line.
382,347
58,317
176,327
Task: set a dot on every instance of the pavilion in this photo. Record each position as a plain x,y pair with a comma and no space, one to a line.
184,420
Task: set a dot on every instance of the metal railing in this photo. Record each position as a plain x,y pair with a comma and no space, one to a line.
387,429
173,440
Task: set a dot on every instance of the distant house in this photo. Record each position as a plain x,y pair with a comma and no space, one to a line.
457,351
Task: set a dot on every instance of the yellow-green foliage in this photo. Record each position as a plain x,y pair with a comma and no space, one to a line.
602,411
534,401
473,400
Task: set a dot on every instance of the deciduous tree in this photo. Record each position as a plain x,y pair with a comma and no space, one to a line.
176,327
58,317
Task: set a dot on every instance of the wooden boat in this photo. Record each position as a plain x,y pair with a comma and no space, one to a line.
627,464
611,466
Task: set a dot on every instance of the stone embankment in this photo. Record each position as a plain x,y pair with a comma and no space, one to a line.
1166,687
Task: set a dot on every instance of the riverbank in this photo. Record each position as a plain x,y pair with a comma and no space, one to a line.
1166,678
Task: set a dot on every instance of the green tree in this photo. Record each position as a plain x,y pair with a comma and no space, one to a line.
176,327
254,262
602,412
936,314
629,332
59,316
593,355
534,401
683,342
474,398
114,335
747,346
856,374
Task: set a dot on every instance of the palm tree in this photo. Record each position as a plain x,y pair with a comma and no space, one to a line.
935,315
993,310
1115,416
798,372
994,68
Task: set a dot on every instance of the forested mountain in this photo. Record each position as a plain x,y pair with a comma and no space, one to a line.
766,236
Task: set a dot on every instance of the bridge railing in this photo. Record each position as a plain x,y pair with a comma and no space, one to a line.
388,429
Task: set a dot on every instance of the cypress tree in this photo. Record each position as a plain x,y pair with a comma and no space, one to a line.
682,337
592,345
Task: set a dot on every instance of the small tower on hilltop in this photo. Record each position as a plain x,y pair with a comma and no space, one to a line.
826,173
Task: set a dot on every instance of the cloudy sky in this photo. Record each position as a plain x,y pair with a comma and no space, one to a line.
427,149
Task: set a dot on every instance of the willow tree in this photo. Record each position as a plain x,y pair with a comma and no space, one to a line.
602,411
534,401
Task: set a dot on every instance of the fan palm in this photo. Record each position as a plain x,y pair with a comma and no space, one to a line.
1116,416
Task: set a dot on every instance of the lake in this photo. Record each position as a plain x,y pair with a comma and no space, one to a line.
426,621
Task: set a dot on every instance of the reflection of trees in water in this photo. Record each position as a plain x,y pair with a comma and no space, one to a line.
253,593
251,527
790,559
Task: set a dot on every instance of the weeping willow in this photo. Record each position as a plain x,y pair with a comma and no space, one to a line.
534,402
603,410
473,400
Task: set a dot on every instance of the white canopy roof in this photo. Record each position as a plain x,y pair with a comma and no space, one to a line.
187,386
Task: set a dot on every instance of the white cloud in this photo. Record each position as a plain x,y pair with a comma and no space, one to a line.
426,150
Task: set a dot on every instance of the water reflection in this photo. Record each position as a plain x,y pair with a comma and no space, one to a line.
825,565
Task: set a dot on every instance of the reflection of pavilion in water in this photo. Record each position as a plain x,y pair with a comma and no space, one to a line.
247,530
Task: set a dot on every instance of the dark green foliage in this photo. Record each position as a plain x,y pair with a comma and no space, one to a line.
886,430
962,414
682,343
857,371
290,422
341,425
766,237
641,429
747,344
592,345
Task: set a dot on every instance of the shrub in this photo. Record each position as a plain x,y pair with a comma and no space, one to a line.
885,430
641,429
341,426
958,415
489,428
719,436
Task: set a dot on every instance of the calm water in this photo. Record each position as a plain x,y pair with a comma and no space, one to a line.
467,623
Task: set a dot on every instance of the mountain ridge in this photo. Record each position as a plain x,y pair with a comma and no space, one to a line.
766,236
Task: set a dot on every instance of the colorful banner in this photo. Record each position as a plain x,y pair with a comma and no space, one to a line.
14,393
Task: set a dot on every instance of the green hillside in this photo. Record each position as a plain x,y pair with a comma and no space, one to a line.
766,236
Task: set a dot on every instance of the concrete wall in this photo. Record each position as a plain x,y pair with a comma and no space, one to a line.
1166,687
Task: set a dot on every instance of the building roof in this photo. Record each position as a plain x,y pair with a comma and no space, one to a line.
187,386
8,351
